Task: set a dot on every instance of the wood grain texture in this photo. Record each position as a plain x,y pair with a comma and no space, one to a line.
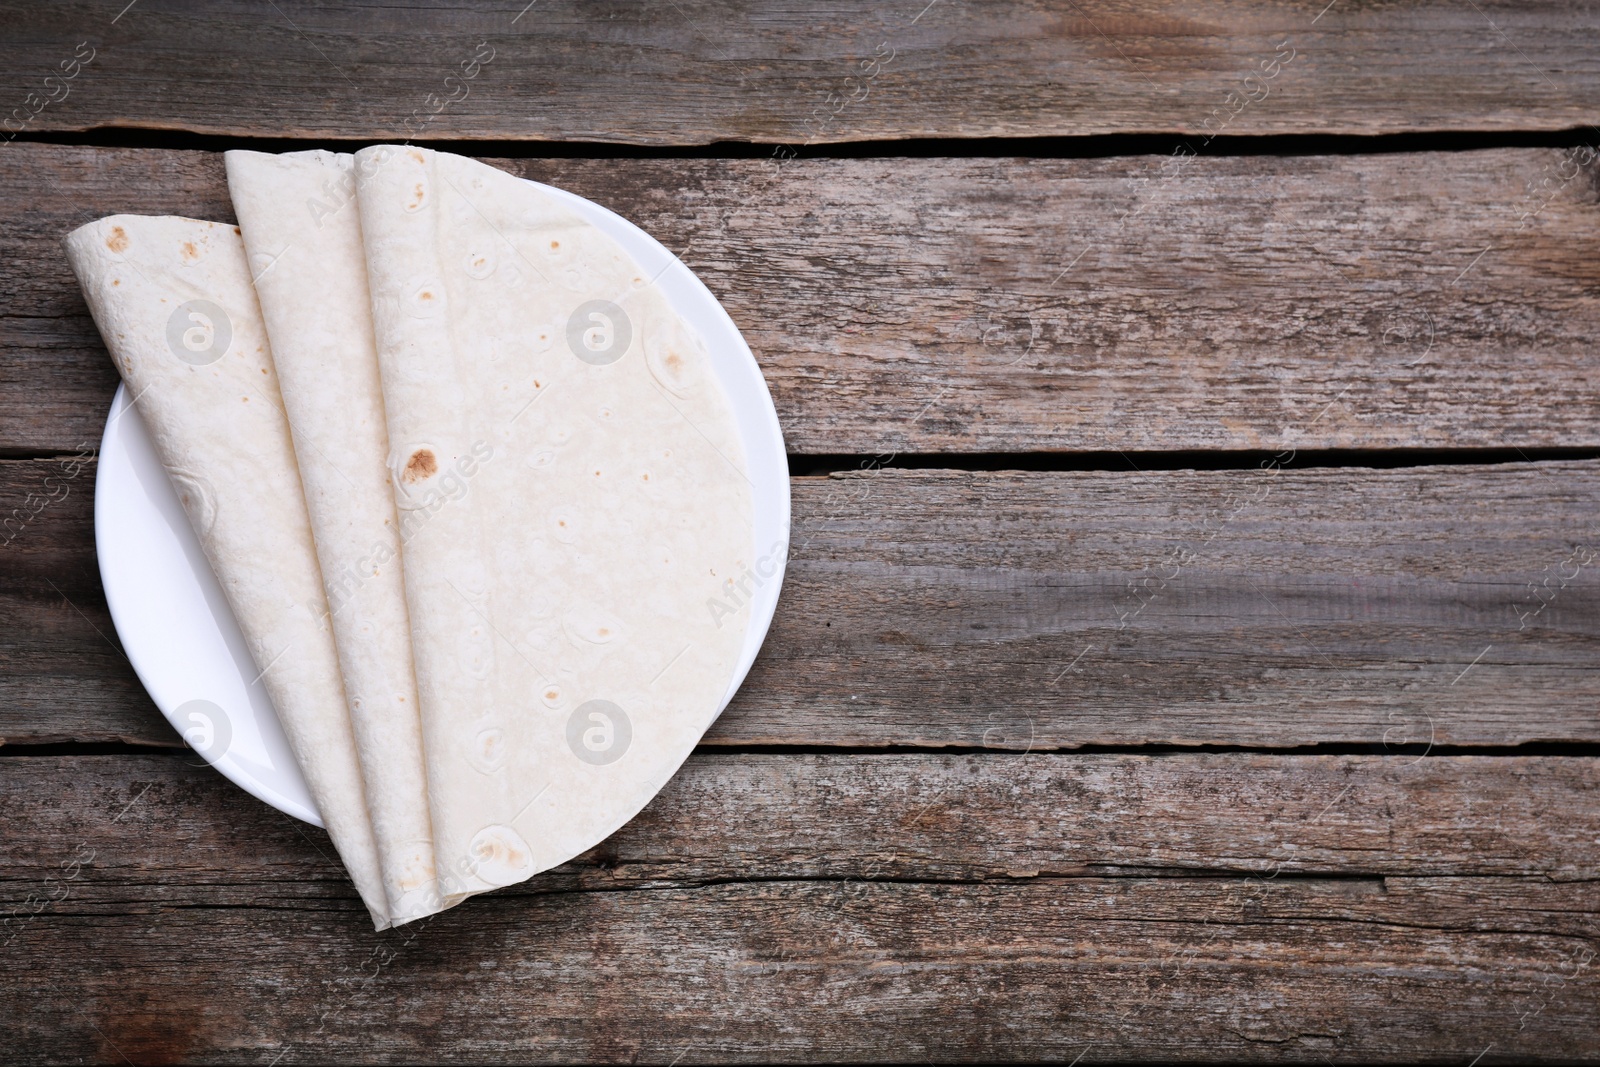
1430,300
890,908
699,71
170,822
1158,970
1398,609
62,666
1014,899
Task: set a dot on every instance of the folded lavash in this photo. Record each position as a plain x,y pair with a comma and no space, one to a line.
302,234
574,499
173,300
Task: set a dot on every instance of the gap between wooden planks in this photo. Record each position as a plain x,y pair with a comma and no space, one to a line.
1399,609
701,71
854,907
1421,301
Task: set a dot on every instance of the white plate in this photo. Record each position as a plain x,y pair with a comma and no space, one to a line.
180,634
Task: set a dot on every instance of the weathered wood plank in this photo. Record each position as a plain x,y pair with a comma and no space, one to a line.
1442,605
174,826
62,666
1431,300
1408,607
1159,970
776,71
876,912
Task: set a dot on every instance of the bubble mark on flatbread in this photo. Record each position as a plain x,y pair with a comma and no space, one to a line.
199,332
488,752
500,856
199,500
205,727
599,332
599,732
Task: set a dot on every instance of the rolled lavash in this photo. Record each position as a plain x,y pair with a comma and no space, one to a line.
173,300
302,234
595,509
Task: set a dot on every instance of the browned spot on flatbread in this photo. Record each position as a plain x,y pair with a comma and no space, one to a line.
422,464
189,251
673,361
424,295
118,241
414,154
555,244
417,202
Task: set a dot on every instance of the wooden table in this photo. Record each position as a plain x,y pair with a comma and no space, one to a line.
1191,643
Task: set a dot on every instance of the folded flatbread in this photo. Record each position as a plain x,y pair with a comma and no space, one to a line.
173,301
575,504
302,233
